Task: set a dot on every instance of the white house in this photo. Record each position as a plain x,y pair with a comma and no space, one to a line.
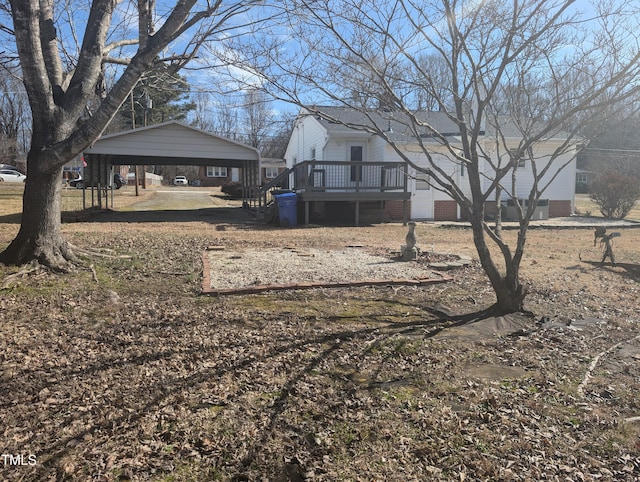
317,143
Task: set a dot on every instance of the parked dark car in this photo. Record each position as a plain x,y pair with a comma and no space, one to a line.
77,182
118,182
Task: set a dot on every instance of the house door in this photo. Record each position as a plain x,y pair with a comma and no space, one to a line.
235,174
421,197
355,153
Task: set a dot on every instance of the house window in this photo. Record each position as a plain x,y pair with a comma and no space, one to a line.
582,177
422,182
313,154
215,171
270,172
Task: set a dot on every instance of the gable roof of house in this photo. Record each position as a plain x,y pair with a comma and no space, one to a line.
341,121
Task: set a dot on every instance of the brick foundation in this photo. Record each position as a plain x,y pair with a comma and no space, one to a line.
445,211
393,210
559,209
215,181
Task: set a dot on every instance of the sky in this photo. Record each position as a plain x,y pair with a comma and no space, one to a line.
203,80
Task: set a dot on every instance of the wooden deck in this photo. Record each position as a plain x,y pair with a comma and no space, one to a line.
342,181
352,196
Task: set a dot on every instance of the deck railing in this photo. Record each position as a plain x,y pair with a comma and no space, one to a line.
337,176
267,190
350,176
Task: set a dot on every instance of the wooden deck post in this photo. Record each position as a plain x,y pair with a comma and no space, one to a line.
404,212
306,212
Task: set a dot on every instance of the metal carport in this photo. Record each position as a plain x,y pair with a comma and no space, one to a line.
172,143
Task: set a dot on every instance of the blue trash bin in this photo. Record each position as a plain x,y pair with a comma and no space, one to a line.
287,209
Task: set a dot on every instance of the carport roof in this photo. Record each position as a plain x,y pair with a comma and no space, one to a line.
171,143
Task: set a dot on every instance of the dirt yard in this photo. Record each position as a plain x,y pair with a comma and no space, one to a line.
122,370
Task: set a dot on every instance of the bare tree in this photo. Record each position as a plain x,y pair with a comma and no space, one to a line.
226,120
64,48
202,117
275,145
509,76
14,115
248,118
432,92
257,117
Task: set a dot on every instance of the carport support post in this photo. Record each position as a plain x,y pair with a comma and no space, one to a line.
255,182
246,201
255,185
249,184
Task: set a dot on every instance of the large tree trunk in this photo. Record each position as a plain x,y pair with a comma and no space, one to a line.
61,89
510,295
40,237
510,292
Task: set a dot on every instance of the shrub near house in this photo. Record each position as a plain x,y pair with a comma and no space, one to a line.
232,189
615,193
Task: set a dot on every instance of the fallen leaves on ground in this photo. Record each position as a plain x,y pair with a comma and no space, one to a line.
137,377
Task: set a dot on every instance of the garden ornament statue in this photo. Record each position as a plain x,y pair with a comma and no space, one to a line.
410,250
606,243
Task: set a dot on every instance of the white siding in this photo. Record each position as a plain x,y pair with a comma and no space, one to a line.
308,134
562,188
379,150
442,161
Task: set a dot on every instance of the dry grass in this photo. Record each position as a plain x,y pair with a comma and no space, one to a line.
122,371
11,198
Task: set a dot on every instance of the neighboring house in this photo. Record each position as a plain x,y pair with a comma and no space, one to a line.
317,144
270,168
592,160
583,179
219,175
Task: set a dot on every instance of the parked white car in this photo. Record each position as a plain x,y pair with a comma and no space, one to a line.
180,181
9,175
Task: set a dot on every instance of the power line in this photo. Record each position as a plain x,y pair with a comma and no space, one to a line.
612,149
